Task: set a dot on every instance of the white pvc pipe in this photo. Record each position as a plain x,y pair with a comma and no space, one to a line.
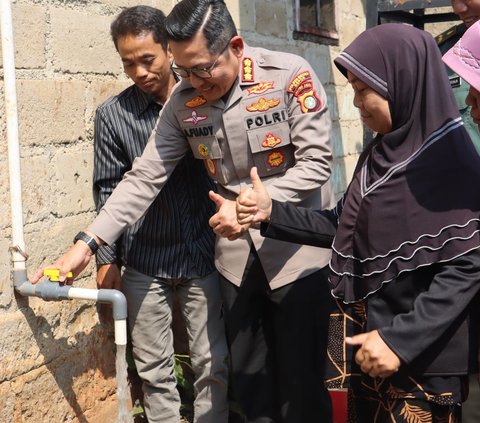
18,242
83,293
120,325
120,328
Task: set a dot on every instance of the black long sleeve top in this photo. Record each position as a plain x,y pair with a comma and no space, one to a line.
425,316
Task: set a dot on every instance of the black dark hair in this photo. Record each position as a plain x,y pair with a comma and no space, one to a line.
139,20
210,16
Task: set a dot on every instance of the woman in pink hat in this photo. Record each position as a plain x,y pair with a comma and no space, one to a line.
464,59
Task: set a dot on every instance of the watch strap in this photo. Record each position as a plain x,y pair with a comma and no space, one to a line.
87,239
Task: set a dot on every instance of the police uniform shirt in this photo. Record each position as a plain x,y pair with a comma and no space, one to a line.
275,117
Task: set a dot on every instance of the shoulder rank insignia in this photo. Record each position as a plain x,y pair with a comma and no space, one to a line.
196,101
194,118
261,87
271,141
275,158
247,70
263,105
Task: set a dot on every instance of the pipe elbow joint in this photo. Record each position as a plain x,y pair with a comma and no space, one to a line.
118,301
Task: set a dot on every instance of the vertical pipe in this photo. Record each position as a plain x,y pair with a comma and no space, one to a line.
45,291
18,242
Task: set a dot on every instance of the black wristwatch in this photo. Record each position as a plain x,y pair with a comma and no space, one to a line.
92,244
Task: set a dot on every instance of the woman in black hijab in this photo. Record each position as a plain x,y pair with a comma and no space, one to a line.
405,266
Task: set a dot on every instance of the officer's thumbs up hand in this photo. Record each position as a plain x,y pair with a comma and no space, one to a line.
253,204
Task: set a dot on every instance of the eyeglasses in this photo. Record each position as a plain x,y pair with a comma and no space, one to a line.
202,73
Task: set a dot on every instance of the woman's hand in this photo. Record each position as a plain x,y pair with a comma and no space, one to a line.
254,204
374,356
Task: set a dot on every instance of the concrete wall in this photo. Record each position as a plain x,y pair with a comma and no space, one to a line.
57,358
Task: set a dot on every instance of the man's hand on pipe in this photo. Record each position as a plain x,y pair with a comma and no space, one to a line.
74,260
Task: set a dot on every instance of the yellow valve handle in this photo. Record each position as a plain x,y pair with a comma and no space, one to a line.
54,274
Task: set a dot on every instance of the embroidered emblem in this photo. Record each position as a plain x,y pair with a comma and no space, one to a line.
271,141
247,70
307,85
298,80
275,158
203,150
309,101
194,118
210,165
197,101
263,105
261,87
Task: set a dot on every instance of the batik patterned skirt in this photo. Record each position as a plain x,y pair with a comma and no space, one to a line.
400,398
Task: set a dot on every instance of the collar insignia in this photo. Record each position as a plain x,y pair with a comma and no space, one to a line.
197,101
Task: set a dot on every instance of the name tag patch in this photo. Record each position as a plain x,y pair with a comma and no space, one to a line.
455,81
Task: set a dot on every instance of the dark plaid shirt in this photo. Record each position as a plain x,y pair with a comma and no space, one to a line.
173,239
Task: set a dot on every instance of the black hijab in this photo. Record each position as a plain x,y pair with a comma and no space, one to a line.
414,198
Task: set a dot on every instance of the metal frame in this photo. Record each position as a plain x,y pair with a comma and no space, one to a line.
406,11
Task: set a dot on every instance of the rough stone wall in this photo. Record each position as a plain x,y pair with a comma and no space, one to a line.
57,358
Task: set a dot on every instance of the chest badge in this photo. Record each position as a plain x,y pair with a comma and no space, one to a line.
210,165
275,158
203,150
261,87
197,101
247,70
194,118
271,141
263,105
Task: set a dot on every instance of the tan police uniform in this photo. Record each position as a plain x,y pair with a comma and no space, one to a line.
275,117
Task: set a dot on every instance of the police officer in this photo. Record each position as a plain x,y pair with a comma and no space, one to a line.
237,107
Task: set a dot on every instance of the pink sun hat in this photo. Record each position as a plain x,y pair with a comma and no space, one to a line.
464,57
